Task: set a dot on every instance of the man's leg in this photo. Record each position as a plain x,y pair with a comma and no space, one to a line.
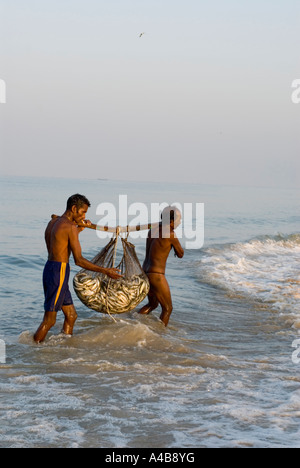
70,319
48,322
152,304
160,294
152,300
165,300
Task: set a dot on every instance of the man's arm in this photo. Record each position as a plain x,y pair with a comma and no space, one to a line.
179,252
83,262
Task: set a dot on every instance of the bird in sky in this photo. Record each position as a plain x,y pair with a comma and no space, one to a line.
141,34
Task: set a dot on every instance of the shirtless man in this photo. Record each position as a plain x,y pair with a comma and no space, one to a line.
61,238
159,244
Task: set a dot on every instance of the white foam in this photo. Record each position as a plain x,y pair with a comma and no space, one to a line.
266,270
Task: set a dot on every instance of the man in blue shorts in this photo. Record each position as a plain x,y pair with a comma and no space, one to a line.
62,239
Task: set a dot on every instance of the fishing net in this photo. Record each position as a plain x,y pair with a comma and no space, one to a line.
103,294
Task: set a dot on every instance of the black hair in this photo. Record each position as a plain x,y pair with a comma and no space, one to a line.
77,200
169,212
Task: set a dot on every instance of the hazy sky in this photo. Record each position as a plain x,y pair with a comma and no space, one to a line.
204,96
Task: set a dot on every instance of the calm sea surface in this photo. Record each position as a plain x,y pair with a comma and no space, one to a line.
222,373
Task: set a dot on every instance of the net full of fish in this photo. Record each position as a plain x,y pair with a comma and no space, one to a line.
103,294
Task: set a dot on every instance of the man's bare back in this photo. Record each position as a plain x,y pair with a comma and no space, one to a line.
160,241
158,249
57,239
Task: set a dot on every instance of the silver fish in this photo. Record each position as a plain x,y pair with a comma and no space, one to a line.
111,296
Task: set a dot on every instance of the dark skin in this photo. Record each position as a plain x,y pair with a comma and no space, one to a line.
62,239
160,241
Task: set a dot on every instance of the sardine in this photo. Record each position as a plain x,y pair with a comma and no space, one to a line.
111,296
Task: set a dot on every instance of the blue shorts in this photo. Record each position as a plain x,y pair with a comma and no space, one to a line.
56,286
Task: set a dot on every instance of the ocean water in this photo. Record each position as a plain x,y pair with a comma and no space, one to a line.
221,375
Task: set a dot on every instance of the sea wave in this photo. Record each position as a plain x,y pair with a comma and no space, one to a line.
265,269
12,262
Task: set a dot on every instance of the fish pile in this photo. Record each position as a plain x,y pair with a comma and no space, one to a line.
106,295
